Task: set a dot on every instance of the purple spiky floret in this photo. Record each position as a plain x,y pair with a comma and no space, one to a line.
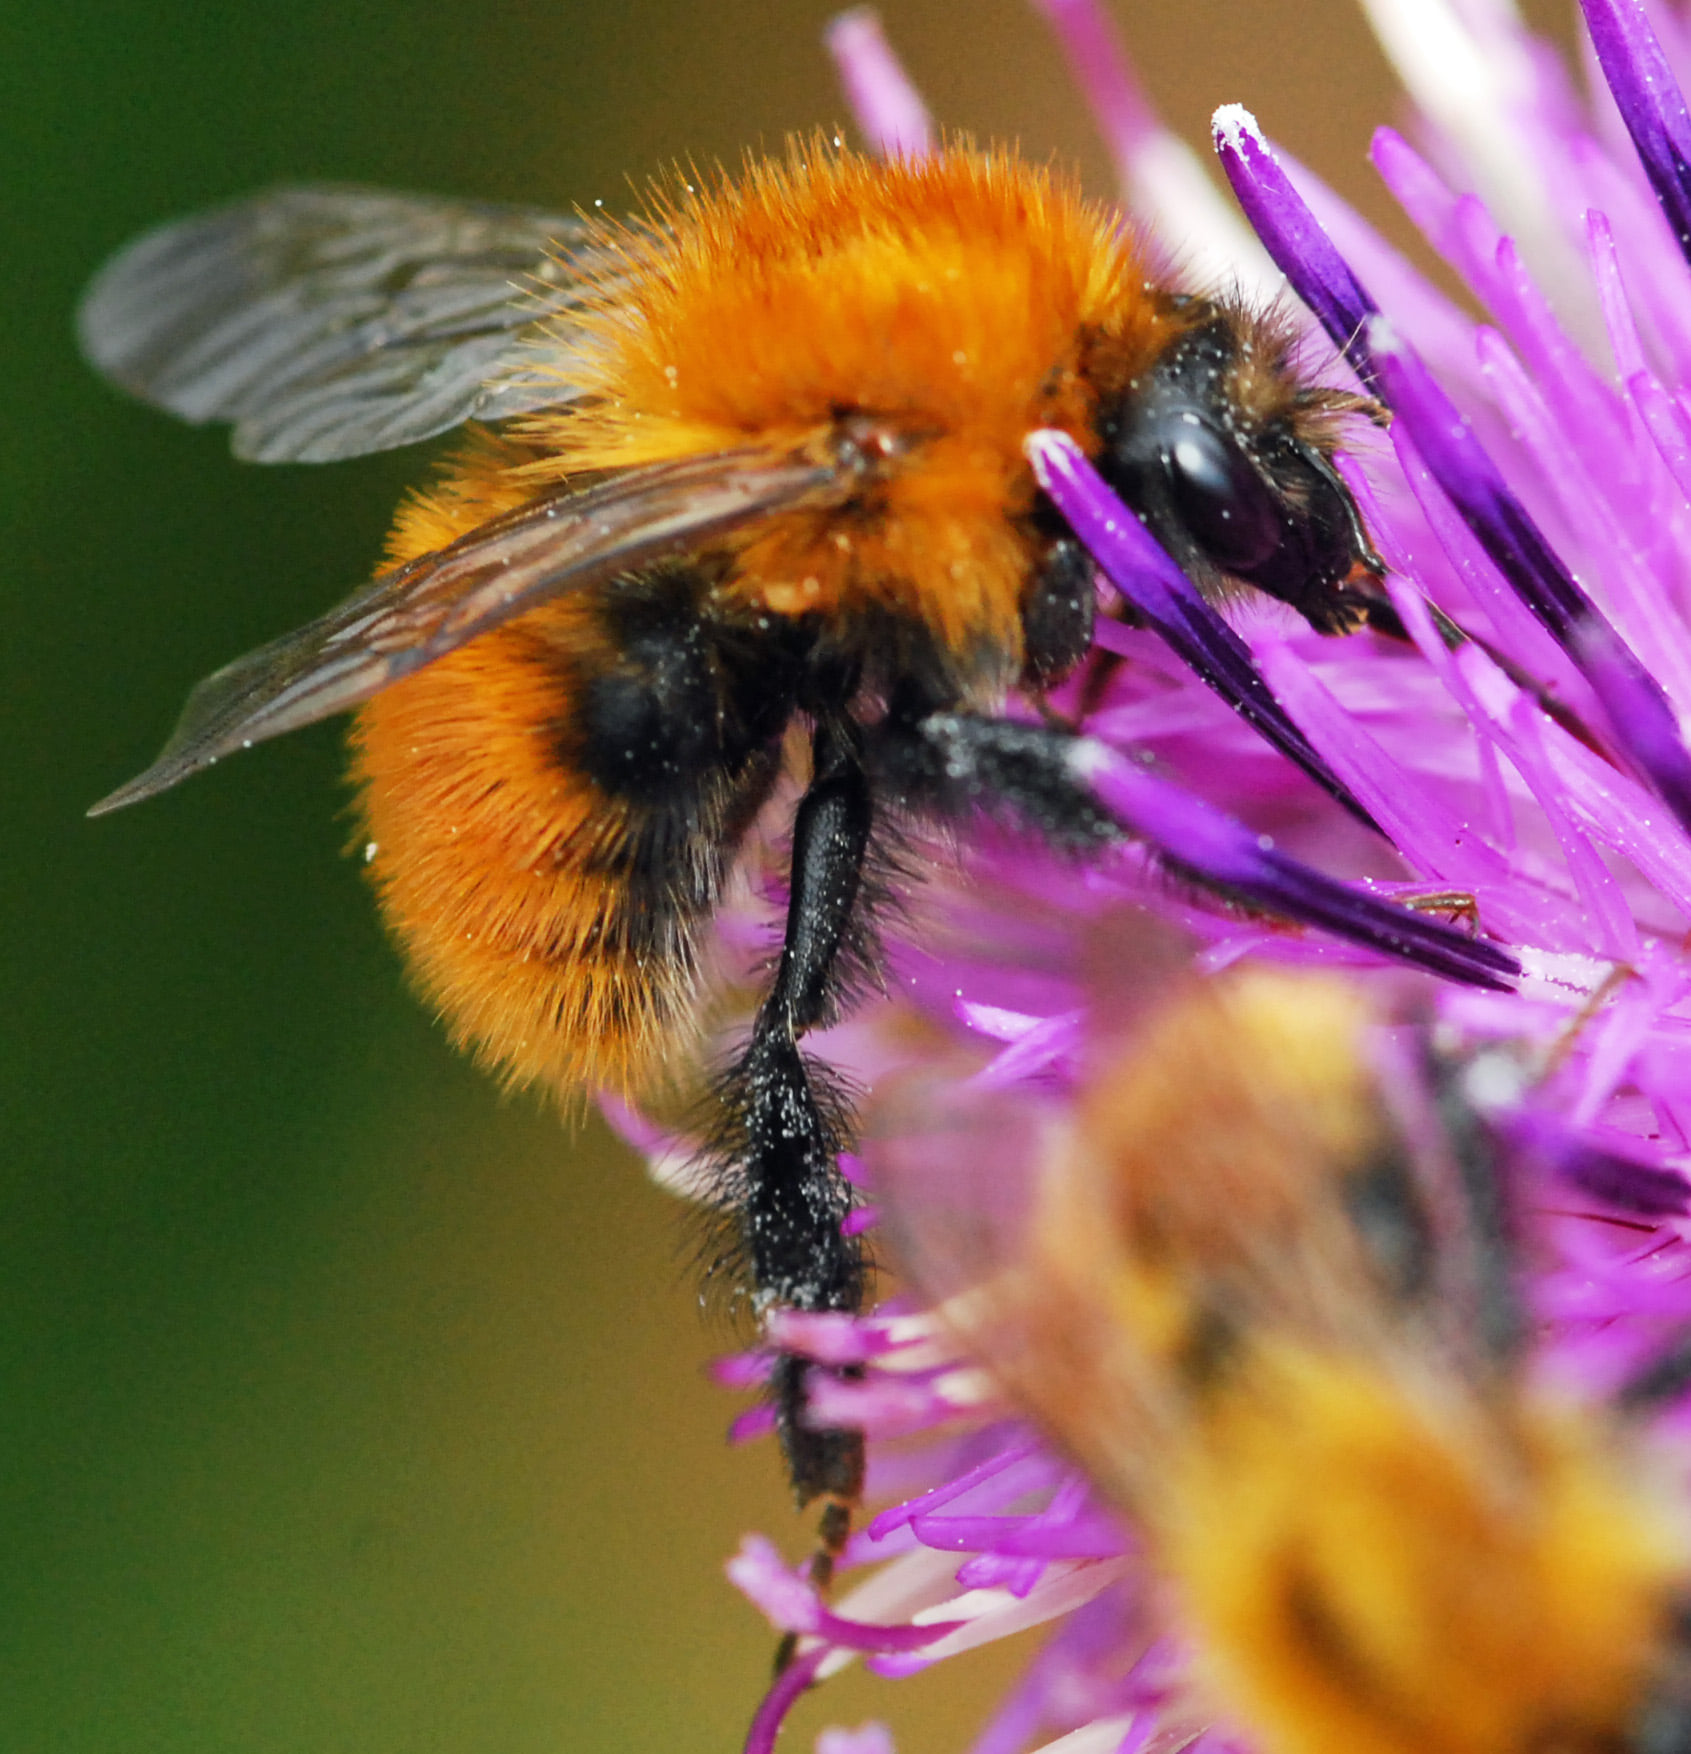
888,107
1196,840
1295,238
1536,493
1640,715
1101,69
1650,102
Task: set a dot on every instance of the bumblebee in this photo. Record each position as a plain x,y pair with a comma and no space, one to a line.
1263,1290
758,465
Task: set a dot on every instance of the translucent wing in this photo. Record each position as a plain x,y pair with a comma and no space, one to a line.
327,322
411,616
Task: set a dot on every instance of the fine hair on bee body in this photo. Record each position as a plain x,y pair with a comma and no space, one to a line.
1259,1280
758,464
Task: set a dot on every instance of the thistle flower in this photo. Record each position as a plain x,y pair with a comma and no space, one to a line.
1534,493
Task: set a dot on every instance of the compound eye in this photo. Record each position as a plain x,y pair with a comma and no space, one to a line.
1226,506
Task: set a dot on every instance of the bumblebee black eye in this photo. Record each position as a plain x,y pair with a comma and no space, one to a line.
1233,484
1225,505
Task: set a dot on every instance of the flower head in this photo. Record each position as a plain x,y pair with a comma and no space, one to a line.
1519,746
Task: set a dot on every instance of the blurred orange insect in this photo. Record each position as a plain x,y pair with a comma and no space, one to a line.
1265,1298
760,465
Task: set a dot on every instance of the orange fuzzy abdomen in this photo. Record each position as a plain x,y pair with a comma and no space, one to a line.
502,870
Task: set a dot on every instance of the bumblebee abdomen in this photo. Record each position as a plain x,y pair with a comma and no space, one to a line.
550,811
513,881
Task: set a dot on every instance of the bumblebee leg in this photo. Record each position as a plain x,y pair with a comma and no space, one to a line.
787,1124
952,764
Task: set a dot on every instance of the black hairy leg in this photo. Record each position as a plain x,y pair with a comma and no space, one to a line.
1060,607
952,765
784,1122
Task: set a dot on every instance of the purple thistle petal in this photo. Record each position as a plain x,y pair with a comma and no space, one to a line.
1639,712
827,1336
1295,238
870,1738
1522,636
1198,841
743,1370
1650,102
1440,328
1643,720
1614,1175
1421,825
993,1469
1609,926
882,1405
1167,185
1660,276
1094,53
754,1423
1587,478
790,1686
792,1603
1570,858
859,1220
886,104
1142,571
891,1641
1030,1537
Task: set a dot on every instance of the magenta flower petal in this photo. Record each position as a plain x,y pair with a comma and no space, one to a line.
1142,571
1459,464
1090,1537
1196,840
887,106
827,1336
1615,1176
1421,825
1094,54
994,1468
868,1738
791,1604
790,1686
754,1423
1529,486
1650,102
1295,238
1643,721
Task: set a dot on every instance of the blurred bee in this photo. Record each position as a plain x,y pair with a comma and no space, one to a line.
1263,1293
760,466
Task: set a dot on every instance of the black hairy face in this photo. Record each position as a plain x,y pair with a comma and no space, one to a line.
1232,494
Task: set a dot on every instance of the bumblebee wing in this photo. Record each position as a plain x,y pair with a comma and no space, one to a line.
328,322
411,616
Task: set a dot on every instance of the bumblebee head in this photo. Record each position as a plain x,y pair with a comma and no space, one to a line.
1227,458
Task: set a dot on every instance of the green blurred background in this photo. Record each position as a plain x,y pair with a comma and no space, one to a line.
344,1406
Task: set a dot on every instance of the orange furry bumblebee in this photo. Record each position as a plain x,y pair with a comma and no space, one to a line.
760,464
1283,1340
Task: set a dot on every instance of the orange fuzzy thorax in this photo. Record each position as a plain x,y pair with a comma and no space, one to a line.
961,299
957,296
